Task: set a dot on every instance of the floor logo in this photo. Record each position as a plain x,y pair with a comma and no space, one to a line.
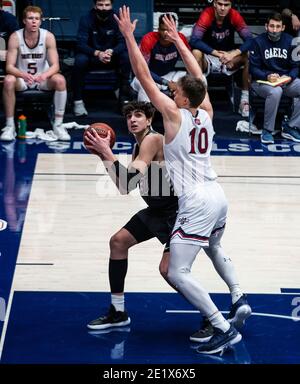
3,225
296,311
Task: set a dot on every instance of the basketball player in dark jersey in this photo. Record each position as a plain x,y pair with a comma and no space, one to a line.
157,220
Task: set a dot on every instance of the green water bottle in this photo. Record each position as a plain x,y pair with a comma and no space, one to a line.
22,151
22,127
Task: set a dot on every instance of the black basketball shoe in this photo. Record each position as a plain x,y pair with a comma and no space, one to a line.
205,333
239,312
112,319
220,341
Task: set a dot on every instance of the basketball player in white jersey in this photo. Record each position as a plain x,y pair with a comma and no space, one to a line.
202,204
32,63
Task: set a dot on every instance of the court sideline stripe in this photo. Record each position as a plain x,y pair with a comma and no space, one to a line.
69,174
233,176
253,313
7,314
34,263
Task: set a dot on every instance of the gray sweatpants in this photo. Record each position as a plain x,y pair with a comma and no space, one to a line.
273,96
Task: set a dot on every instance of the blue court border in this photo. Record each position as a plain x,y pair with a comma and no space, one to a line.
10,241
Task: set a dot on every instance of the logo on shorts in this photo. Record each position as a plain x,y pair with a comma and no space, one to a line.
183,220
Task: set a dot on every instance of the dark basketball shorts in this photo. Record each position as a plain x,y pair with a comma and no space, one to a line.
149,223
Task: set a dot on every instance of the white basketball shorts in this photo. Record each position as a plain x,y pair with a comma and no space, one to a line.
201,214
214,66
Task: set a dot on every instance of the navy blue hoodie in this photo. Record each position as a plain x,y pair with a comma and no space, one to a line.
94,34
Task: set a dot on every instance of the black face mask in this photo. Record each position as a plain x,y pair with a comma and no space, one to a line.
274,36
104,13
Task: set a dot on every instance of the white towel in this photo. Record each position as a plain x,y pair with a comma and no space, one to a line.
244,126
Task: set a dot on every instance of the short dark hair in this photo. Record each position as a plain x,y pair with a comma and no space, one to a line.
160,20
95,1
143,106
274,16
229,1
193,88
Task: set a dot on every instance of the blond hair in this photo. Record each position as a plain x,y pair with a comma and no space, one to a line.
32,8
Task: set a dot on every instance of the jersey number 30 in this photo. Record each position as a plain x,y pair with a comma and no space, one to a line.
202,137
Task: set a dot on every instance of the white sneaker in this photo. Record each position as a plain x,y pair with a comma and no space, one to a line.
61,132
244,126
244,108
79,109
8,133
9,149
254,130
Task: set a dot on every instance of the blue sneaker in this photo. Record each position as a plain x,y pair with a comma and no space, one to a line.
266,137
290,133
220,341
239,312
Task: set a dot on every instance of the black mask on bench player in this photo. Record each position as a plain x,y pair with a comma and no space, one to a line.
104,13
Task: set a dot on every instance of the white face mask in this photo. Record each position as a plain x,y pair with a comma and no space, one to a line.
274,36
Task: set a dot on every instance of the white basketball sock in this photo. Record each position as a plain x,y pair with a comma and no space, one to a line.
60,99
118,301
10,122
218,321
235,292
58,121
78,102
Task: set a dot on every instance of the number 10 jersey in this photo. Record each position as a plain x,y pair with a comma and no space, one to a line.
187,156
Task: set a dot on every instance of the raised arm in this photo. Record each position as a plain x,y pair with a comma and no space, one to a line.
163,103
188,58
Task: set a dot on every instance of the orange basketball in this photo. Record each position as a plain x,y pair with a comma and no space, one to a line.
101,129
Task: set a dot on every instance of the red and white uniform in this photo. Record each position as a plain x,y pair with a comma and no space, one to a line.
202,203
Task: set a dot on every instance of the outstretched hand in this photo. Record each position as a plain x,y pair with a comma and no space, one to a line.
126,26
172,33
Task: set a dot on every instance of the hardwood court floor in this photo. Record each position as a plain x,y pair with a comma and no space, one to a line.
60,279
74,209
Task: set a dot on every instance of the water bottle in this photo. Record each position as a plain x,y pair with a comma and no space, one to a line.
22,151
22,127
